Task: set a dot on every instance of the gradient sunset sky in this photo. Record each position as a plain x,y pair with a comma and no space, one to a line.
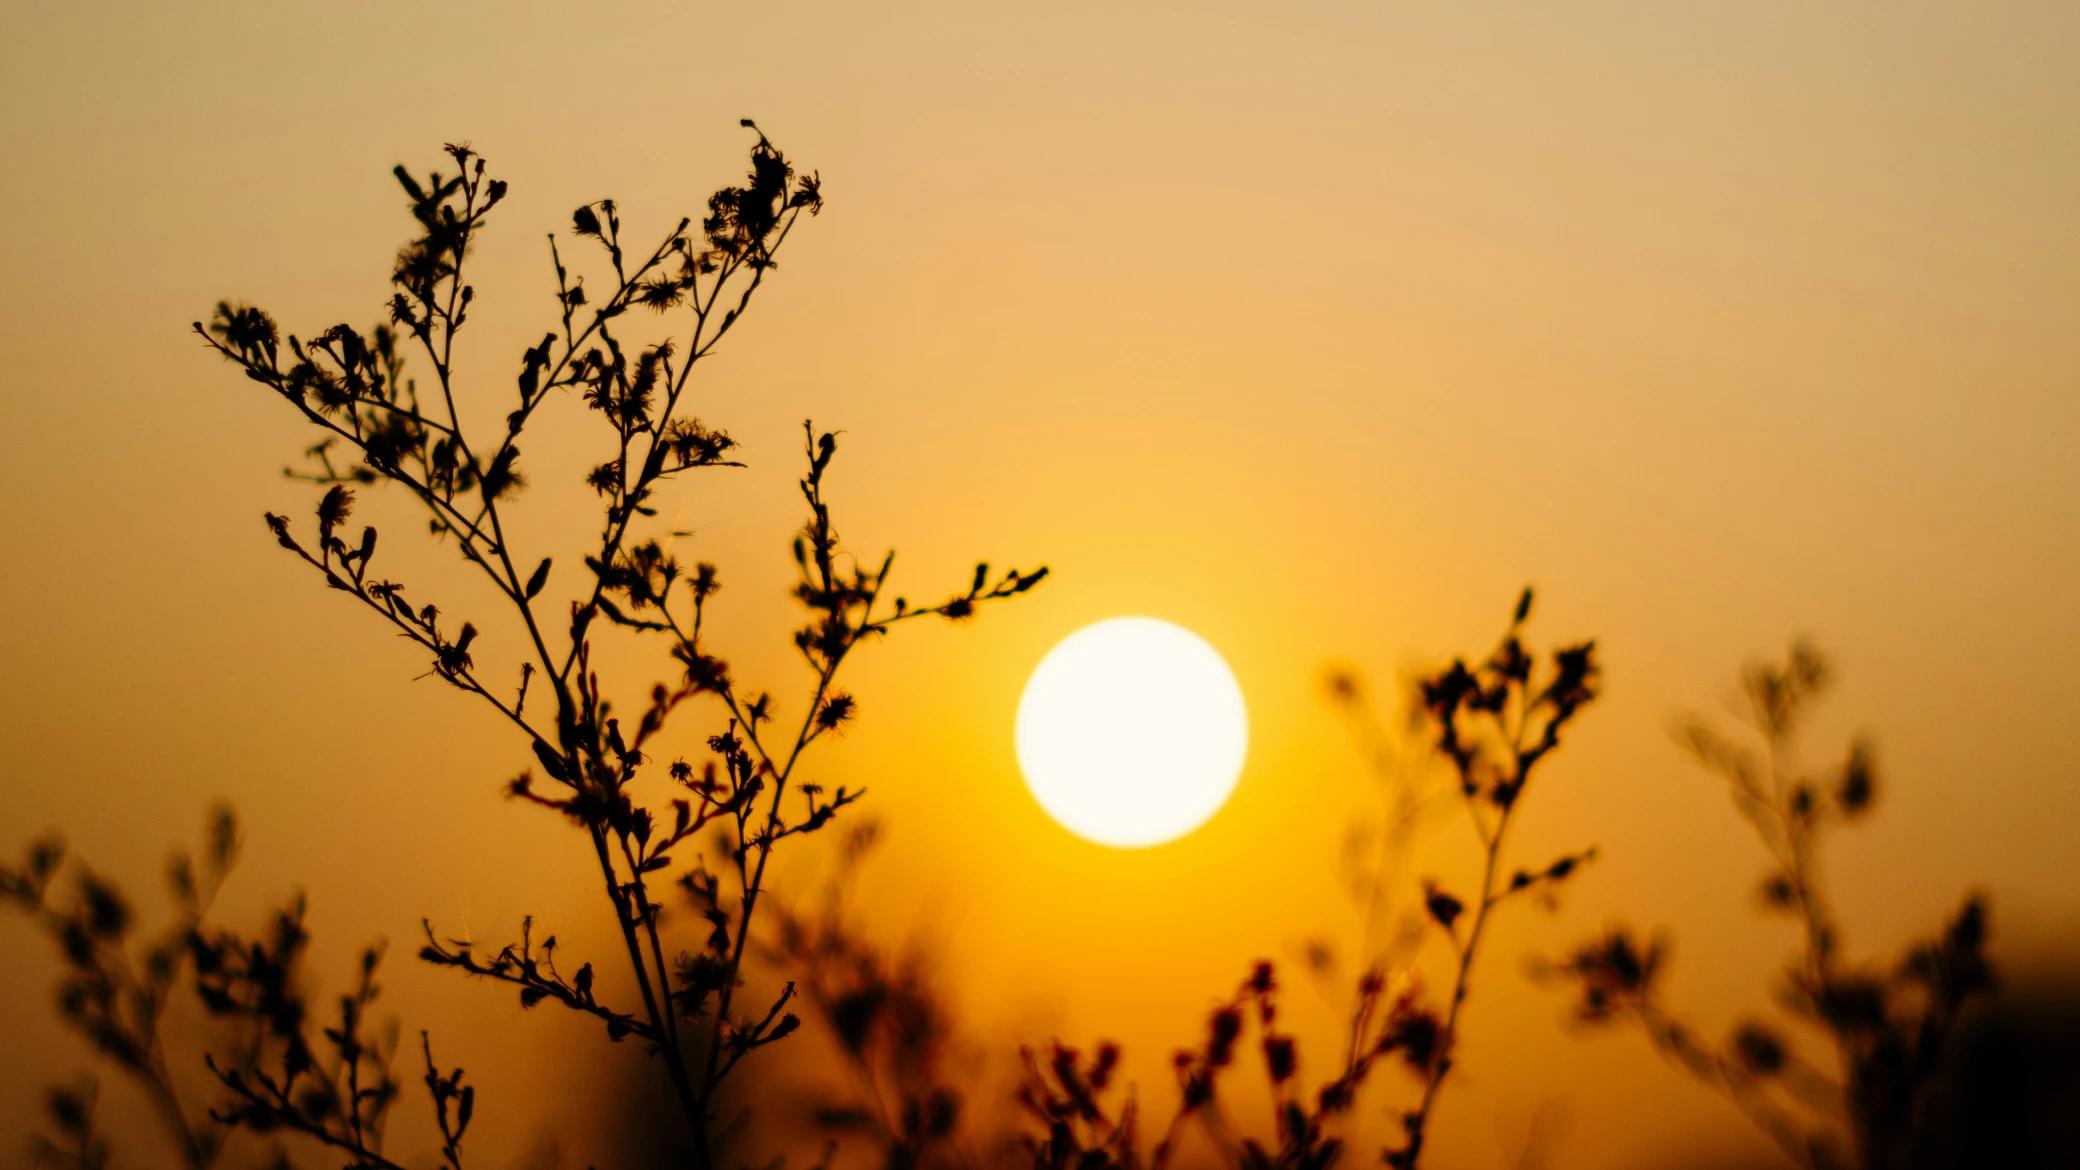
1316,327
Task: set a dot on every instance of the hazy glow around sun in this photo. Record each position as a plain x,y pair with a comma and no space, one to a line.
1132,732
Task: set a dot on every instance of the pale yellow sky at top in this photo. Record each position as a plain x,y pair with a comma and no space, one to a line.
1317,328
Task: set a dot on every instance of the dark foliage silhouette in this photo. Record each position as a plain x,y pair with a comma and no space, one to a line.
352,389
285,1068
684,848
906,1085
1873,1099
330,1082
1378,850
1494,724
2012,1077
722,818
118,983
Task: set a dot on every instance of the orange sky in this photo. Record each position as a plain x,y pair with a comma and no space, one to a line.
1317,328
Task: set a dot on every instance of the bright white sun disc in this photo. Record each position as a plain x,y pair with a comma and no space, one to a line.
1132,732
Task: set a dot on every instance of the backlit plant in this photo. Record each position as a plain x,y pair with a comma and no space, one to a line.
1495,724
1873,1092
679,843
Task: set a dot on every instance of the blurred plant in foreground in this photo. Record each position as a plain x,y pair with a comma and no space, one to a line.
287,1069
116,998
908,1086
1495,724
1873,1102
1400,759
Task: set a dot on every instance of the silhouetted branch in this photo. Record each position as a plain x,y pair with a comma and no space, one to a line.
114,1001
536,977
1494,724
1888,1030
354,389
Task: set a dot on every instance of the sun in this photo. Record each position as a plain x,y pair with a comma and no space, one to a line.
1132,732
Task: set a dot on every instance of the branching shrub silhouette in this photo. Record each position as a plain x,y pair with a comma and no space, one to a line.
1495,724
887,1017
1888,1027
1377,850
330,1082
117,986
284,1068
380,427
352,389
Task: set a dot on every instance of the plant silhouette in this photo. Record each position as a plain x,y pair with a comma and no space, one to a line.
684,848
1494,724
117,987
379,425
284,1068
907,1077
1888,1028
1374,865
